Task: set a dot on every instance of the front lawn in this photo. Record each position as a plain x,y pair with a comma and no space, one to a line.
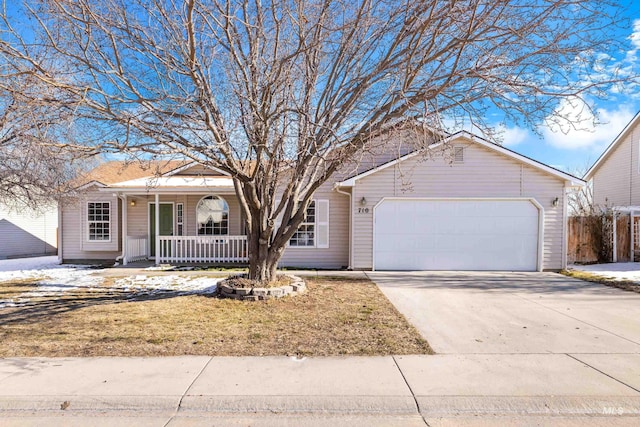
337,316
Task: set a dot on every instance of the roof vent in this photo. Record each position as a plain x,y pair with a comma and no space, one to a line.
458,154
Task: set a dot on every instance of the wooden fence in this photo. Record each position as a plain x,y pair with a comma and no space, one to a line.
590,239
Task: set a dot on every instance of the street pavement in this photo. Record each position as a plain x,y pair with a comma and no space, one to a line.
489,369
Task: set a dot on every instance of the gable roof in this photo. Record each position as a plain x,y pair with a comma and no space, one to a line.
350,182
193,164
117,171
618,139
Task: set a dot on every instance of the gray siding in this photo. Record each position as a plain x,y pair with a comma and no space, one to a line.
74,223
483,174
75,243
617,181
27,232
337,254
138,216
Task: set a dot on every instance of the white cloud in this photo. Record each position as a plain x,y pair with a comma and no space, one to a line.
574,126
512,135
635,35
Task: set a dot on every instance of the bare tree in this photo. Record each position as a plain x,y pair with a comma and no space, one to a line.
37,156
282,94
580,199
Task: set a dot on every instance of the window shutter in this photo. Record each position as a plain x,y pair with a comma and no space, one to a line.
322,223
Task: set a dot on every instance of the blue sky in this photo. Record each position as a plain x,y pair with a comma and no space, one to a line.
576,150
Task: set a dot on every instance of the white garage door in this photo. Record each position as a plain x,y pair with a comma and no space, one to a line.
456,235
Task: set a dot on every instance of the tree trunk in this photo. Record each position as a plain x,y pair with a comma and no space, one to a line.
263,257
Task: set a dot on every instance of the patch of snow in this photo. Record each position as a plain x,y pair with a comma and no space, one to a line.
28,263
53,279
617,270
170,283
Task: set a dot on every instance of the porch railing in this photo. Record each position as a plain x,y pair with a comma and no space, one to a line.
136,248
228,249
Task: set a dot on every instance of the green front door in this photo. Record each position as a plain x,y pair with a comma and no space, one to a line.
166,223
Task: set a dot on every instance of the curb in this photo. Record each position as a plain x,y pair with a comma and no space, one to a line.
88,403
456,406
429,406
373,405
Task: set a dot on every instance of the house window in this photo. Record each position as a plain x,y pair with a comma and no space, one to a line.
99,221
212,216
314,229
180,218
305,234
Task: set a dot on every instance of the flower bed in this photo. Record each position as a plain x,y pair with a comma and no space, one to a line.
241,288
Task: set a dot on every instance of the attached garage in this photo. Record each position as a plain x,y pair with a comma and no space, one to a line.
457,234
466,204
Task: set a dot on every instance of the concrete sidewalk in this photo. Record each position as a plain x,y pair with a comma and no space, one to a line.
393,390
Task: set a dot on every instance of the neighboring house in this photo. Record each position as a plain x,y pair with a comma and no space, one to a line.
615,177
468,205
26,232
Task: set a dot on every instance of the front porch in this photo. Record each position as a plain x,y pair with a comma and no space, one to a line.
189,249
182,229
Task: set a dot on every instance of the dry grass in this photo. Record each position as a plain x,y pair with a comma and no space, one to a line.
14,288
337,316
626,285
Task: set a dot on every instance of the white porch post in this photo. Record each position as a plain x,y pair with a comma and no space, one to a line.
125,245
615,237
157,227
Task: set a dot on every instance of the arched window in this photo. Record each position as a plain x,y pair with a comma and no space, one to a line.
212,216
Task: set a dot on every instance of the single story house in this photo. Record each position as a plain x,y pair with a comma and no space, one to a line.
468,205
615,179
27,232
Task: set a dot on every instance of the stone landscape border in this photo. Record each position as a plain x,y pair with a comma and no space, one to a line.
297,286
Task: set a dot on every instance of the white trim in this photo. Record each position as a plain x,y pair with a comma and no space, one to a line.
612,146
315,229
228,215
91,184
179,223
125,227
176,183
319,223
60,232
193,164
534,202
177,191
86,205
476,139
316,223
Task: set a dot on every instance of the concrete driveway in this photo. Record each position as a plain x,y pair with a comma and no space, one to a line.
515,313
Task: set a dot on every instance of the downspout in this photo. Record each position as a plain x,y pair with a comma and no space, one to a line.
123,256
337,189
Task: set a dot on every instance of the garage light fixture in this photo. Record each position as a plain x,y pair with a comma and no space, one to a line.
554,203
133,202
363,201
